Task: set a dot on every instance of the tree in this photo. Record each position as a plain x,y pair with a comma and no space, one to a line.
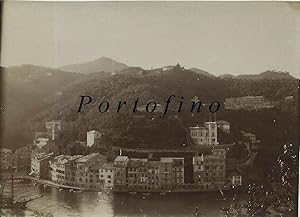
275,197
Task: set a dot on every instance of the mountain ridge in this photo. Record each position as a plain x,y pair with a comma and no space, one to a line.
105,64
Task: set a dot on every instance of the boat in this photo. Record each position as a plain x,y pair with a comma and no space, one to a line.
222,194
162,193
132,192
71,190
145,193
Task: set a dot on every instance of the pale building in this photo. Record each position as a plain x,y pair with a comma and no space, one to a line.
40,164
53,128
5,159
205,135
41,142
236,180
92,137
248,103
78,170
224,126
106,173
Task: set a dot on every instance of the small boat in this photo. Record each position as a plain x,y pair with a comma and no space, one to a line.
222,194
162,193
132,192
71,190
79,191
146,193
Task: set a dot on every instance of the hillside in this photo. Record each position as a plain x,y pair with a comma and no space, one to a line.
28,90
42,98
104,64
201,72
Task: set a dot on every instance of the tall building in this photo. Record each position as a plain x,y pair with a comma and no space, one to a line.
5,159
120,175
53,128
171,172
40,164
92,137
106,174
137,173
205,135
22,158
209,170
154,181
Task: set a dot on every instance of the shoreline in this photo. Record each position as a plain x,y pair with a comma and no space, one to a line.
130,191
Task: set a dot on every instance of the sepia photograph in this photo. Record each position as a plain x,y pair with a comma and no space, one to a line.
149,108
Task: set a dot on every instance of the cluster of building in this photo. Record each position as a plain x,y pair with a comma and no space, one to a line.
248,103
19,160
93,172
124,173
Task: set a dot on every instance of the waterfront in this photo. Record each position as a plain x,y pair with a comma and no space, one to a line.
65,203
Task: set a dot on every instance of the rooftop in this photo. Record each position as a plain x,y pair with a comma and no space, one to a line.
121,158
248,134
93,131
5,150
86,158
170,159
222,122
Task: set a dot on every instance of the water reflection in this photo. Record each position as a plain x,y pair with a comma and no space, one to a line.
93,204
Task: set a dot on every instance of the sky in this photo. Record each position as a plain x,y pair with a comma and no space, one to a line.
218,37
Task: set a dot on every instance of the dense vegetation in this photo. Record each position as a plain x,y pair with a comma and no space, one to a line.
36,97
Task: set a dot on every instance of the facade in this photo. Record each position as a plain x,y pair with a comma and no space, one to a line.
205,135
172,172
209,170
6,159
53,128
248,103
137,173
22,158
224,126
120,175
92,137
61,172
106,173
154,181
78,170
40,164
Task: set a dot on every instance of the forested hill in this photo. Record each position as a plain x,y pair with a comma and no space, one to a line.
56,95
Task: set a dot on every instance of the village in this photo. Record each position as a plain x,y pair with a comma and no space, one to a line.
201,166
